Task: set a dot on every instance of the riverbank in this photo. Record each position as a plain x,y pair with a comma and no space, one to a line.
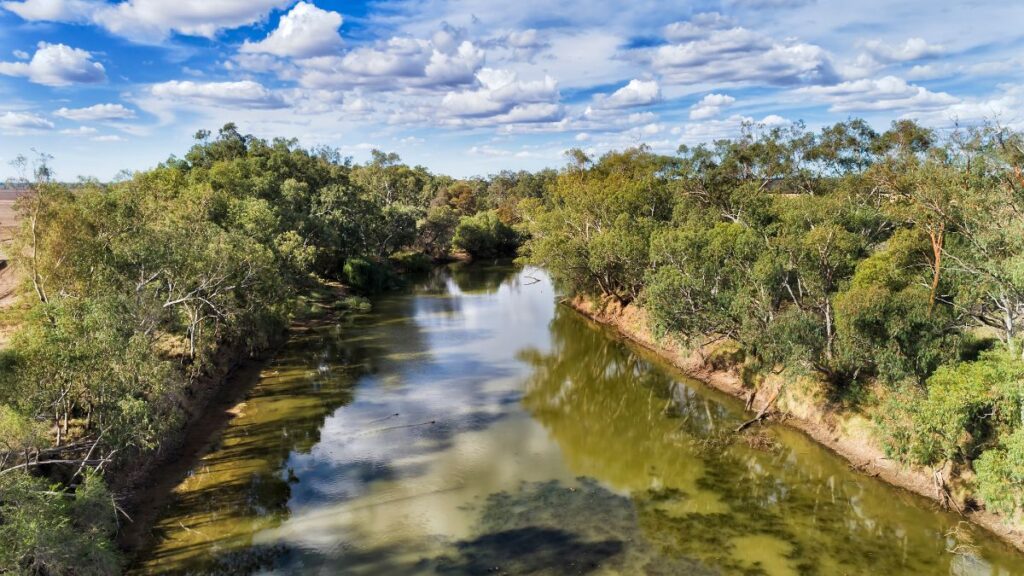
848,435
209,404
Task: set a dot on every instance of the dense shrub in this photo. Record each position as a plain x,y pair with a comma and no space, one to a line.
484,235
412,262
367,276
46,530
1001,474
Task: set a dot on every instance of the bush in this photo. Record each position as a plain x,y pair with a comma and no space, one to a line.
1001,474
412,262
726,356
964,408
356,304
486,236
884,318
436,231
48,531
368,277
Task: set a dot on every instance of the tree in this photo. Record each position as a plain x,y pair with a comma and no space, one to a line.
436,231
701,284
883,317
46,530
485,236
594,229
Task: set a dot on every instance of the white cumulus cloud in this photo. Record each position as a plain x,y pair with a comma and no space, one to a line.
97,112
303,32
912,49
500,92
244,94
710,106
742,56
700,132
635,93
80,131
1005,107
77,11
22,122
400,62
57,65
696,27
887,93
150,20
522,45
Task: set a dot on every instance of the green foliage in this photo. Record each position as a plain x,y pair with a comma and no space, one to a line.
139,286
700,282
81,357
18,433
885,320
963,409
45,530
484,235
437,229
368,277
356,304
1001,474
412,262
852,255
594,228
848,254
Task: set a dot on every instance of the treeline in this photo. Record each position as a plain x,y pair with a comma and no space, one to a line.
137,290
887,267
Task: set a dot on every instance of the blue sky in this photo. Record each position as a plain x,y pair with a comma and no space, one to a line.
469,87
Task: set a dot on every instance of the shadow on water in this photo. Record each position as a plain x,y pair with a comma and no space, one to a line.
529,551
557,528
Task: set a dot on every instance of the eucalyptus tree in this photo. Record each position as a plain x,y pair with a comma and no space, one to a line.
594,228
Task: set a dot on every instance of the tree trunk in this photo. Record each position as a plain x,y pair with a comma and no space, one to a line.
37,280
937,239
829,335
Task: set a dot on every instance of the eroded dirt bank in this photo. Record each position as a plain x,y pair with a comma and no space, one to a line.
848,435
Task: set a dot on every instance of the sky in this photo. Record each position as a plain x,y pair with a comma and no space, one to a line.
472,87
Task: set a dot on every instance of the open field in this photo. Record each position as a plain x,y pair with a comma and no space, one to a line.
8,275
8,216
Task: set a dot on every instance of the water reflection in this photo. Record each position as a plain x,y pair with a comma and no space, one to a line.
482,277
473,426
701,492
243,485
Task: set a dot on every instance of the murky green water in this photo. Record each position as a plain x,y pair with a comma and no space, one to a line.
473,427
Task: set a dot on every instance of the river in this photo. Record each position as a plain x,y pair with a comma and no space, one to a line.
473,426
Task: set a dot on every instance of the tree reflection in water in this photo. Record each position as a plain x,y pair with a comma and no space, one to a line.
702,494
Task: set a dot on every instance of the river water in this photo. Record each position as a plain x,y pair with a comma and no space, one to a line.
473,426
